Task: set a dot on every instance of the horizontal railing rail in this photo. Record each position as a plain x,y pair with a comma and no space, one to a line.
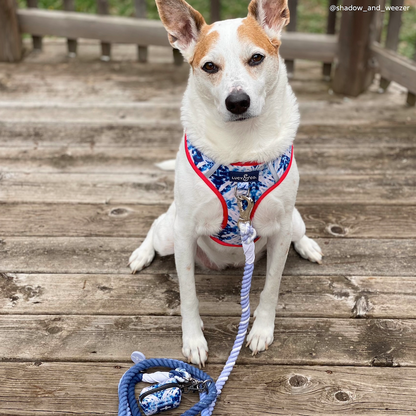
394,67
114,29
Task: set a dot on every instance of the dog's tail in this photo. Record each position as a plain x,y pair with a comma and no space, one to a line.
167,164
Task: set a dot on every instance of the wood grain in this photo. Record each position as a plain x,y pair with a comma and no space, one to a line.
158,134
126,220
145,112
395,67
156,187
74,255
10,38
319,160
353,72
91,389
298,341
158,294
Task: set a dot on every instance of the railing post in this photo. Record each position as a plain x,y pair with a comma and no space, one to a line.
215,10
36,40
291,27
69,6
330,30
354,71
393,32
141,12
102,9
10,38
411,95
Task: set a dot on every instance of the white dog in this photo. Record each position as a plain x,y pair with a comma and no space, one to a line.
240,118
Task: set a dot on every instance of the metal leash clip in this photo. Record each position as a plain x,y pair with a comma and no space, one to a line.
245,213
196,386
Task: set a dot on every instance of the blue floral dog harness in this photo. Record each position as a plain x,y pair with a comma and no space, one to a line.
256,179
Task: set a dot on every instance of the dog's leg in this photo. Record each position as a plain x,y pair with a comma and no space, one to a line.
305,246
262,333
195,347
159,238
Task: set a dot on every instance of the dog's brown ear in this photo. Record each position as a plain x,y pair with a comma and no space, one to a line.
183,24
272,15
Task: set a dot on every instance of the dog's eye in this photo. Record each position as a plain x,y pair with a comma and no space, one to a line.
256,59
210,67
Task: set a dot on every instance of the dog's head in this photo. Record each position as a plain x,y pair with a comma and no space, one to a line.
234,62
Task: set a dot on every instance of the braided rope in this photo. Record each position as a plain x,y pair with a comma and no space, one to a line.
127,400
247,235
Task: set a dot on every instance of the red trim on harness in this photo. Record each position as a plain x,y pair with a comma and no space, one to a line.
274,186
227,244
209,183
246,164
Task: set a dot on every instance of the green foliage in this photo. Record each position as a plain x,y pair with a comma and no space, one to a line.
407,45
312,15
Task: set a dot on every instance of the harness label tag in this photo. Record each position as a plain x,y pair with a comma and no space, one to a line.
244,176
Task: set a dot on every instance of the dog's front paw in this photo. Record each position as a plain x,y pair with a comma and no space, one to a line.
309,249
261,335
141,257
195,347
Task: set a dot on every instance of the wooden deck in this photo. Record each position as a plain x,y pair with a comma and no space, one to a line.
78,191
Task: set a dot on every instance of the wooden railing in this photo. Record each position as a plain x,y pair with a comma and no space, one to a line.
393,67
351,57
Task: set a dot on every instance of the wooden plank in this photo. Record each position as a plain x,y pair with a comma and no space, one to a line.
215,10
411,97
75,255
126,220
149,32
110,29
393,33
141,12
168,112
158,294
154,135
50,388
103,9
310,46
353,73
291,27
298,341
10,40
330,30
69,6
395,67
319,160
155,187
140,112
37,40
393,28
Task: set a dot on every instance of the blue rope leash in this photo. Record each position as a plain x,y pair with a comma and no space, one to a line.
128,406
127,400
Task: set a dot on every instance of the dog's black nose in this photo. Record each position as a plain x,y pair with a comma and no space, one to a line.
237,102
